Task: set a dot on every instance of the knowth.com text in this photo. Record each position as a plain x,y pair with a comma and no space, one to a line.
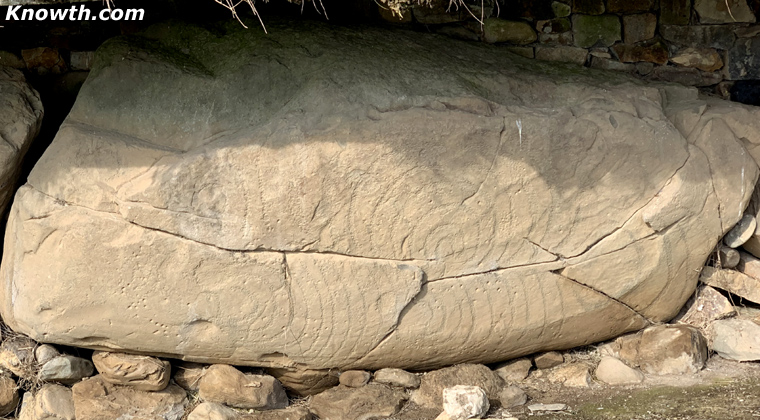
72,14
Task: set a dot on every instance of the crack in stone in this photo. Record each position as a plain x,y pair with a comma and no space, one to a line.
587,287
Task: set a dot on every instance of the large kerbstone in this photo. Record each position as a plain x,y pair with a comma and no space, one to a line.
314,198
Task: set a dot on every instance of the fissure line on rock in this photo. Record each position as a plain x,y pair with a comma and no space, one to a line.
587,287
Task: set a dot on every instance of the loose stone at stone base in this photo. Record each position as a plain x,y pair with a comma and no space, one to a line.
188,375
66,370
574,375
355,378
8,395
213,411
547,407
664,350
17,356
51,402
736,339
397,377
140,372
706,306
98,399
226,385
44,353
514,370
462,402
548,360
512,396
433,383
290,413
732,281
305,382
373,400
613,371
743,230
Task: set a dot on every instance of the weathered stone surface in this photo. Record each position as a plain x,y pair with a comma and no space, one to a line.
17,356
685,76
664,350
514,370
736,339
437,12
588,7
553,26
741,233
749,265
433,383
732,281
66,370
188,375
564,38
607,64
728,257
699,36
561,9
8,395
547,407
629,6
589,31
706,59
310,256
97,399
44,60
749,31
51,402
675,12
462,402
705,307
653,53
81,60
213,411
355,378
226,385
562,54
139,372
20,120
512,396
723,11
526,52
9,59
637,28
397,377
574,375
45,352
548,360
305,382
497,30
290,413
370,401
613,371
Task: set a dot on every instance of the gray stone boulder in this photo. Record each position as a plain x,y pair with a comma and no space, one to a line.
328,198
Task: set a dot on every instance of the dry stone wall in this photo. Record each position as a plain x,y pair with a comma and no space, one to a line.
705,43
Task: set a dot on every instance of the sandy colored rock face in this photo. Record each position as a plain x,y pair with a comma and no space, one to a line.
226,385
97,399
51,402
138,372
327,204
369,401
